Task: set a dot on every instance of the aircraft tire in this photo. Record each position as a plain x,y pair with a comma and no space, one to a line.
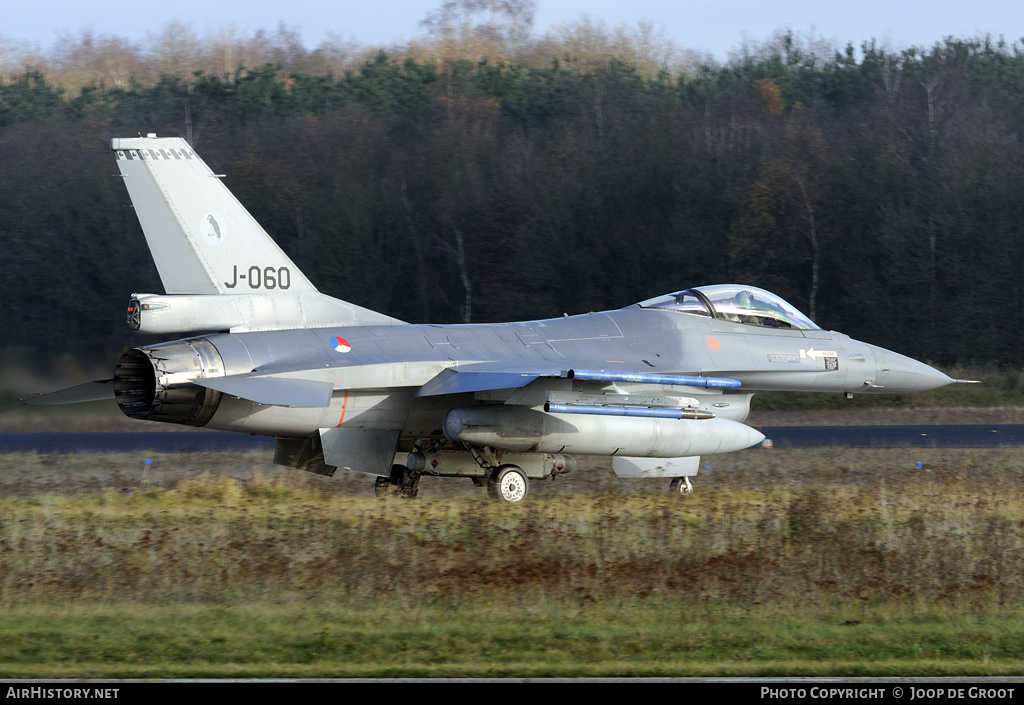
409,490
381,487
680,487
509,484
398,484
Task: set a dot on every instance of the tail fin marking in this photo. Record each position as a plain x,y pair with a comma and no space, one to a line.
219,267
203,240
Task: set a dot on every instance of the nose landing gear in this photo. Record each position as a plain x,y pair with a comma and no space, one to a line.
680,486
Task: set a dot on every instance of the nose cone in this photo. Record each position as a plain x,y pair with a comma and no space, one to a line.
754,437
898,374
711,436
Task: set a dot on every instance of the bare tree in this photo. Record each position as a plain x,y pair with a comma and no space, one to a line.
931,83
177,50
16,56
508,24
91,59
812,234
592,44
892,72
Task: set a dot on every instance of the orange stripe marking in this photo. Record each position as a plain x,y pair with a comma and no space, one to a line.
344,404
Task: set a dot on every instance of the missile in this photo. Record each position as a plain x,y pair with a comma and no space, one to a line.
642,378
644,411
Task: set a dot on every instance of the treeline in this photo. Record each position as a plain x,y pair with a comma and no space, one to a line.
497,30
882,193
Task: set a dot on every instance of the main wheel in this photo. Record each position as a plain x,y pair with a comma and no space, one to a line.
409,490
401,483
508,484
382,487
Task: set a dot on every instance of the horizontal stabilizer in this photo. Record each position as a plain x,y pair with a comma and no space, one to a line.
90,391
275,391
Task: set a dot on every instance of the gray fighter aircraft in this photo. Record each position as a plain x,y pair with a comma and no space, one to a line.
655,385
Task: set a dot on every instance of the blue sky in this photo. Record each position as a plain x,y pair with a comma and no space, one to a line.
717,26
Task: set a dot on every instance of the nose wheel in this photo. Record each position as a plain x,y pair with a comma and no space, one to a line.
680,486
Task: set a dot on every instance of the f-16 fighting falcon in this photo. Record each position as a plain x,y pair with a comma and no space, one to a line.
259,350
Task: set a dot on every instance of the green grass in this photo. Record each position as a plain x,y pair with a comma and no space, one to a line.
514,637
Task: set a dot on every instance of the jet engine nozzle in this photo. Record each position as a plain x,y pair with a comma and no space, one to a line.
154,383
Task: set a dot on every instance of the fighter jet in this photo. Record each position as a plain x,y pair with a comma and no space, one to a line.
654,385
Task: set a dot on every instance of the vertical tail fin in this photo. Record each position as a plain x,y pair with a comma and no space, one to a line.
202,239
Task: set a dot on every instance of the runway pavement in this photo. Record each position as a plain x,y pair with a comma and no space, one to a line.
945,436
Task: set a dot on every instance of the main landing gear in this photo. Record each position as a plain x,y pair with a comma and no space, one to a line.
509,484
400,483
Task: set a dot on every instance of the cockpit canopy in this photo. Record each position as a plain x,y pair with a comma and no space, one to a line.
736,303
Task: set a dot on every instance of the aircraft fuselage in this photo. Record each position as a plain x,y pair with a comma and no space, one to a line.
375,370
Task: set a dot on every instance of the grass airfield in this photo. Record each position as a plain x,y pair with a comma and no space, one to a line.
819,562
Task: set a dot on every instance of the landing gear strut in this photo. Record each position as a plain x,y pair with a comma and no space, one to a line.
680,486
400,483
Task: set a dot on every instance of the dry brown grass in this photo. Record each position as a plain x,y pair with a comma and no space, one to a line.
811,528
